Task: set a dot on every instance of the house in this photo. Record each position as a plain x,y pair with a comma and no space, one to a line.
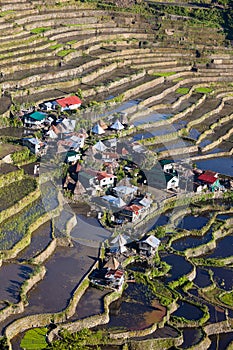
100,146
112,264
105,179
97,129
148,246
111,143
87,179
114,201
109,157
119,242
132,212
34,119
35,146
125,191
78,139
66,126
167,165
117,125
115,278
156,178
48,105
172,180
211,181
72,156
69,103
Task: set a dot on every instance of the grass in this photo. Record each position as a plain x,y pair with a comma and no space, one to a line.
40,30
34,339
55,46
5,13
227,298
204,90
163,74
63,53
182,90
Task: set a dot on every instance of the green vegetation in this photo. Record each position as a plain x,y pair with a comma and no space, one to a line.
40,30
227,298
34,339
10,195
22,157
182,90
5,13
14,229
204,90
63,53
163,74
82,340
55,46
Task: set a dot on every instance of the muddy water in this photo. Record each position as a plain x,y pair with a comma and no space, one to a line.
64,271
138,301
12,276
191,336
91,303
39,240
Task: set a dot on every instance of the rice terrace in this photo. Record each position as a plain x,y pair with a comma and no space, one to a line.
116,174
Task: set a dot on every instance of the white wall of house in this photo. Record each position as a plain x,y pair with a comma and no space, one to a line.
173,183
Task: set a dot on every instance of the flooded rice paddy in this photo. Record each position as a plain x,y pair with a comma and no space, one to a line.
223,165
191,241
136,300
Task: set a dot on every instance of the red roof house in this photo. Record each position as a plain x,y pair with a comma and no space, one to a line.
70,102
209,179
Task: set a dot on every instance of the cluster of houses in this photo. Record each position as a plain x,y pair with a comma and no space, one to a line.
97,156
111,274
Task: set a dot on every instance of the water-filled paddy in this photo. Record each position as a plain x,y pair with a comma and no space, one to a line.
191,241
202,279
224,248
12,277
223,276
220,341
64,271
188,311
139,302
223,165
91,303
191,222
39,240
191,336
179,267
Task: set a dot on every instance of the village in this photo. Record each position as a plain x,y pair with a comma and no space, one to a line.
102,167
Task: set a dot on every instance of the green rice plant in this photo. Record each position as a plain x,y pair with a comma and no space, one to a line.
64,53
55,46
34,339
182,90
227,298
163,74
40,30
204,90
